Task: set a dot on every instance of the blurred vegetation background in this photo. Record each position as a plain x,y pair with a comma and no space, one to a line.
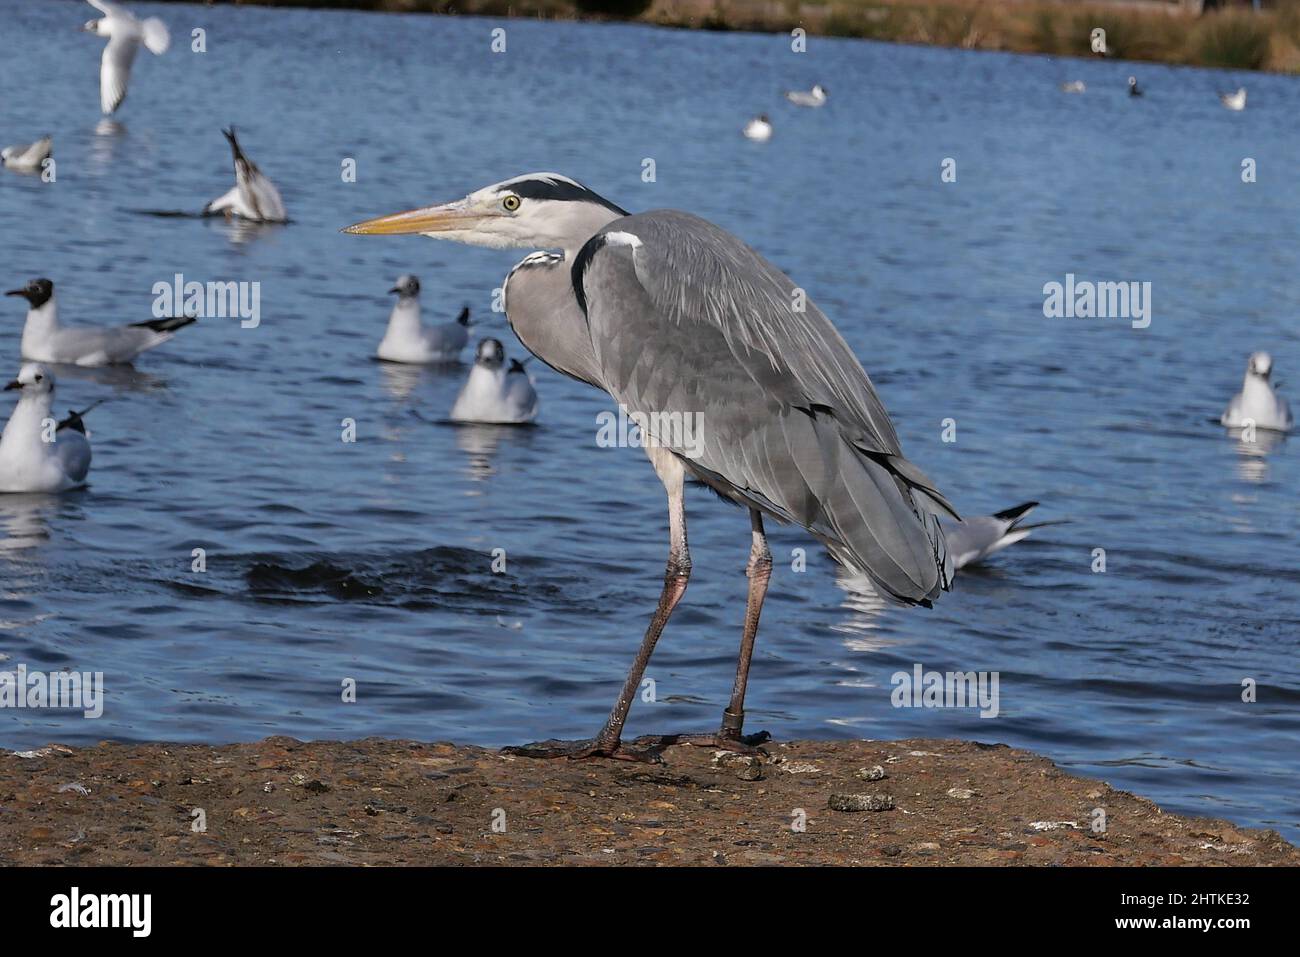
1215,33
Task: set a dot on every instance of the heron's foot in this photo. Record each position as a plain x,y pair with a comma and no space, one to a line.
585,750
723,740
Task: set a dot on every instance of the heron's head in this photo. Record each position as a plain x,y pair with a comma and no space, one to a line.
32,379
37,292
490,353
1261,364
819,90
533,211
97,27
1132,81
407,286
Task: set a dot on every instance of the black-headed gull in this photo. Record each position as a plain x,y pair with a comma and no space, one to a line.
495,394
814,97
1234,101
253,197
1257,402
45,340
27,157
407,340
36,453
758,129
125,33
975,539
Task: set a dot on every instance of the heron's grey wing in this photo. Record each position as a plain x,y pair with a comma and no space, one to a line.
115,71
693,270
689,323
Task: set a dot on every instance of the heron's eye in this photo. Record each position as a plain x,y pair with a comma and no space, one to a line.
510,203
39,378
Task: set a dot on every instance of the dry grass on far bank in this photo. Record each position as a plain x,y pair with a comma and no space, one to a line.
1235,38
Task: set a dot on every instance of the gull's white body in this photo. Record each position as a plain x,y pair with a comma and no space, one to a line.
125,33
29,463
815,97
27,157
46,340
1234,101
758,129
408,340
496,397
253,197
1257,402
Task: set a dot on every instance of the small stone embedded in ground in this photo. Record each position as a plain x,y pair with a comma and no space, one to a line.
961,794
860,802
876,773
748,767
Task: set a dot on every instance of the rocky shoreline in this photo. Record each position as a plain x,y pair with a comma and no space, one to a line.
380,802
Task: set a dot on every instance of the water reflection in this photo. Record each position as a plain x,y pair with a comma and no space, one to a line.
121,378
241,232
24,522
865,606
1253,447
400,380
480,444
108,134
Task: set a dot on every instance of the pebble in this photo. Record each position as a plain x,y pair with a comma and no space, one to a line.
876,773
860,802
961,794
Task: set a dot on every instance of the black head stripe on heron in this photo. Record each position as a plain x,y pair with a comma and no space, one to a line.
679,320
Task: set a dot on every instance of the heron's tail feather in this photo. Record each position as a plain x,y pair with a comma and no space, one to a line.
880,529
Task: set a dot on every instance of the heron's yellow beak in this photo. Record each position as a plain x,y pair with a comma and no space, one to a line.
431,219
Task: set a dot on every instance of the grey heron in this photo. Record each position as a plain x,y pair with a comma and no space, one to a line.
676,318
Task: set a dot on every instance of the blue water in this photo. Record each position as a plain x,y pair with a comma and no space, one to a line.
372,560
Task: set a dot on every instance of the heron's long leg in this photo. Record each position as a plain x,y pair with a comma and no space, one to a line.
676,575
607,744
759,571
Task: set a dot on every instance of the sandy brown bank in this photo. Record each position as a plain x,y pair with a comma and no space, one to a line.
282,801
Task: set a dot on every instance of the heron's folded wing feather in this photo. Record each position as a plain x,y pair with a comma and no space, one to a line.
680,335
695,271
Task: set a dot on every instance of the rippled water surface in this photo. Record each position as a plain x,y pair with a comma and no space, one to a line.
372,560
